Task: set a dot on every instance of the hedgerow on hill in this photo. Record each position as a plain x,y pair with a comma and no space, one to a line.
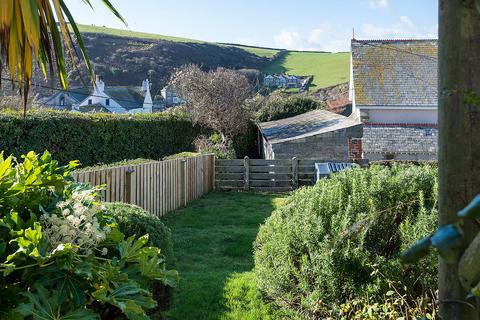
340,240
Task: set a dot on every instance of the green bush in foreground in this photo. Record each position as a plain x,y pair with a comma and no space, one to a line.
341,239
62,255
97,138
134,221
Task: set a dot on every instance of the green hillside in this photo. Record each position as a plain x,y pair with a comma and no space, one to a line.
262,52
133,34
327,68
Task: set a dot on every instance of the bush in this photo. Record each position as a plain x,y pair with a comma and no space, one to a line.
61,255
341,239
206,145
97,138
134,221
279,106
182,155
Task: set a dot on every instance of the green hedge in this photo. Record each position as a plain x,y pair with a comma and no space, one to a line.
341,239
97,138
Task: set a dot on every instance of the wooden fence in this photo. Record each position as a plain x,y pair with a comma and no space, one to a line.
158,187
265,175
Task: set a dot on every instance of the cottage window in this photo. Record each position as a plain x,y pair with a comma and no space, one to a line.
62,100
107,102
89,101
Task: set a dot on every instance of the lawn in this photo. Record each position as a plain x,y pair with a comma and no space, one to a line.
213,239
328,69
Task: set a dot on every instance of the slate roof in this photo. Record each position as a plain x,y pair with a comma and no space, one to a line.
395,72
305,125
400,139
128,97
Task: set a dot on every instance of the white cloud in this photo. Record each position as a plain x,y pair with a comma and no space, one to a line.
378,4
288,39
318,35
404,28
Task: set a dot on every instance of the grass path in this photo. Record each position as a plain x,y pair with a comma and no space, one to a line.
212,239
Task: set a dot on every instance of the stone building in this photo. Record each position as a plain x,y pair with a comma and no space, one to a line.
318,134
393,88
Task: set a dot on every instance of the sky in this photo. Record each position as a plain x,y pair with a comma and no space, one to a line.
325,25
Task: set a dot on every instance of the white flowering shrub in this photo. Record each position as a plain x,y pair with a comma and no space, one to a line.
62,255
75,222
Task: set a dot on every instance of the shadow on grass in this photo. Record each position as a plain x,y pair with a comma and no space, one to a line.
213,239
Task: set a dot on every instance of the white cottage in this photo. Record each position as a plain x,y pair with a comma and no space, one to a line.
117,99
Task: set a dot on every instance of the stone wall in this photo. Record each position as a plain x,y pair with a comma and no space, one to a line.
330,145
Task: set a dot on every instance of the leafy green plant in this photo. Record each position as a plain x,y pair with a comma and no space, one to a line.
133,220
64,253
341,239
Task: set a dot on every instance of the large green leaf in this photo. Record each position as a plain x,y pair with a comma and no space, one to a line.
129,298
44,306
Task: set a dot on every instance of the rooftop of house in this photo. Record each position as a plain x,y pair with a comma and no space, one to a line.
305,125
395,72
403,139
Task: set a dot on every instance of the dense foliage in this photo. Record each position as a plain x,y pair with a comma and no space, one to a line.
134,221
62,255
281,106
340,240
97,138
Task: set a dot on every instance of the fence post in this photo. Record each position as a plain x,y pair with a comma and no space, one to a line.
246,174
127,195
183,182
295,172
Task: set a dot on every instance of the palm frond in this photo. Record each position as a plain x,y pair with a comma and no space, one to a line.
37,32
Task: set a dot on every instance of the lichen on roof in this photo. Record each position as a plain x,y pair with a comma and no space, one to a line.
395,72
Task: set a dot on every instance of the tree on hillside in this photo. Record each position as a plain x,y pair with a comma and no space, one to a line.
215,98
38,32
459,138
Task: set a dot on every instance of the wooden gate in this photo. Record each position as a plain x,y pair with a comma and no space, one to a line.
265,175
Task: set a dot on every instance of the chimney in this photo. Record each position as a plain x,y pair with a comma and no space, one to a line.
147,102
99,85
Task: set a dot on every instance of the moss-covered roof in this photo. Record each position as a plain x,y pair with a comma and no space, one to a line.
395,72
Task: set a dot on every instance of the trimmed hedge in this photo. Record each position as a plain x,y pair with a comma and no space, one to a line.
279,106
133,220
341,239
97,138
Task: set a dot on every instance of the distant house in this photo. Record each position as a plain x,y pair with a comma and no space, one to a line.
316,134
65,100
170,97
105,99
393,88
282,81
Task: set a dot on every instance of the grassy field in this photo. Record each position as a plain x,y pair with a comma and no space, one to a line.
327,68
262,52
133,34
212,240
